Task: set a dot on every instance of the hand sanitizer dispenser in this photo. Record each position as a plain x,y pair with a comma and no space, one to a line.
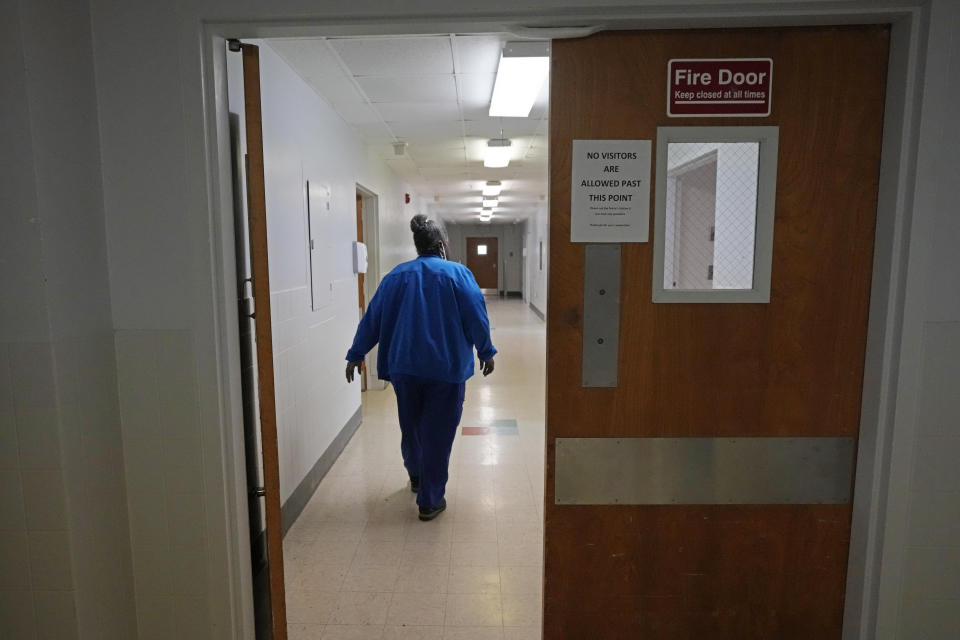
359,257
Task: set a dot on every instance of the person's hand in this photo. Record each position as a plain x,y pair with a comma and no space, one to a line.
486,366
351,368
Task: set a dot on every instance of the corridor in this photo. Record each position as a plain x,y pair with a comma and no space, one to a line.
359,565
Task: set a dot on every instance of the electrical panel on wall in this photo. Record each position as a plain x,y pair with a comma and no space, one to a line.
319,222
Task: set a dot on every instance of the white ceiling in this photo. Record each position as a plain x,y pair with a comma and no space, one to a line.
433,93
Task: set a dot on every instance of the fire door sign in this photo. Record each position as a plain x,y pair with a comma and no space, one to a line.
710,87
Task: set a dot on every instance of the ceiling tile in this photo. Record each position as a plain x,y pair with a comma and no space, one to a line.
438,144
409,89
428,131
395,56
374,132
438,157
475,90
419,111
336,90
358,113
311,58
487,127
478,54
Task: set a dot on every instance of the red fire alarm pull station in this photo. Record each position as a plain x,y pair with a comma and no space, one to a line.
406,198
699,88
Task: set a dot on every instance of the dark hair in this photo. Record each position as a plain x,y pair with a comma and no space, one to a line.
428,236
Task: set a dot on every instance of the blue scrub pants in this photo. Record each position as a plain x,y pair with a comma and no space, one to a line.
429,414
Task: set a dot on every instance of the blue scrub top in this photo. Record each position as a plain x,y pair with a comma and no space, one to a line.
428,315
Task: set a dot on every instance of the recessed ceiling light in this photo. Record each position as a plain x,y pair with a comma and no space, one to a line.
522,70
492,188
491,202
497,153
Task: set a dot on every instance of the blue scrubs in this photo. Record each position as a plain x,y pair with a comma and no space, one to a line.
429,414
428,315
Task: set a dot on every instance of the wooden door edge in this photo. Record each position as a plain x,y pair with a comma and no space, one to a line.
263,327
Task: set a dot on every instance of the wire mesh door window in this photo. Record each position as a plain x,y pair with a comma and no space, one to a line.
711,215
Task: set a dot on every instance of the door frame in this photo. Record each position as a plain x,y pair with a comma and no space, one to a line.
884,399
371,235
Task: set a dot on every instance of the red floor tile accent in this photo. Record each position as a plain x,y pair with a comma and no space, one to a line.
475,431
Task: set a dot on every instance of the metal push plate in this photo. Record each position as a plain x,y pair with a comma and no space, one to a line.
704,470
601,315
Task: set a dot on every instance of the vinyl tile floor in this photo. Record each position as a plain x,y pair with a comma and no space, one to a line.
359,564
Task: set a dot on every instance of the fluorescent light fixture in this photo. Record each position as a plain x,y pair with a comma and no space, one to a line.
523,68
492,188
491,202
497,153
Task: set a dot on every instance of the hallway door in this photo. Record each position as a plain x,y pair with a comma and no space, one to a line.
263,354
700,377
482,257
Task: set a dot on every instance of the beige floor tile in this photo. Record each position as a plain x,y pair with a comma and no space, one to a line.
465,579
385,530
380,553
352,632
417,609
473,610
520,554
310,607
304,632
475,530
521,633
370,578
315,577
472,633
439,530
336,531
426,553
472,510
413,633
352,512
474,554
422,579
332,552
512,531
522,610
518,512
521,580
297,551
359,608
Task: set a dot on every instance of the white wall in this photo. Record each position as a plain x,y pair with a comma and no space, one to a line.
65,563
919,594
537,232
167,308
305,140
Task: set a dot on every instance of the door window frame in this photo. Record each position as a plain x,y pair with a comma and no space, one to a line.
768,137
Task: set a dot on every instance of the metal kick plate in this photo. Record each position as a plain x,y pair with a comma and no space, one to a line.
704,470
601,315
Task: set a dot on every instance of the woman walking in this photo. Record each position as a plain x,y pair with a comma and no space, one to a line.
428,315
